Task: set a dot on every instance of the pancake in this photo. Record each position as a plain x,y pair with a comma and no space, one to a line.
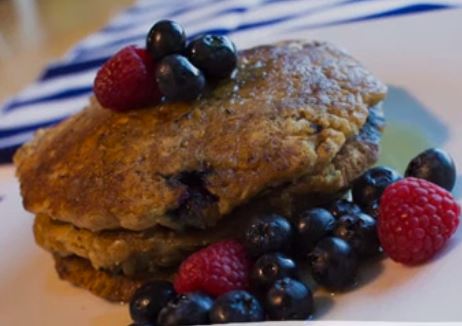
359,153
283,117
128,252
110,286
139,253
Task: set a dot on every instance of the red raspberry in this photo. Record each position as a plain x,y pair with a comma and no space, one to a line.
127,80
416,218
217,269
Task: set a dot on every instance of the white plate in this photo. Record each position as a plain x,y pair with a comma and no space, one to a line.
422,54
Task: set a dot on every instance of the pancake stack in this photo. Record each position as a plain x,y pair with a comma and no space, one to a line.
121,198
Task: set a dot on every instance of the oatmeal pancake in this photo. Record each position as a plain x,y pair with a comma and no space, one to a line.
110,286
133,253
285,114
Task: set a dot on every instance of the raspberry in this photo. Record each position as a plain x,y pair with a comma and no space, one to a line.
416,218
127,80
217,269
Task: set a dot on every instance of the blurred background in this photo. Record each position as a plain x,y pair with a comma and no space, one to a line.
33,32
407,43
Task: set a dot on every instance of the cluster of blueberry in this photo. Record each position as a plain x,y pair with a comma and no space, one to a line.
183,69
331,242
262,279
156,303
135,77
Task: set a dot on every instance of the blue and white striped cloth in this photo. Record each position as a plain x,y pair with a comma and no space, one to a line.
65,86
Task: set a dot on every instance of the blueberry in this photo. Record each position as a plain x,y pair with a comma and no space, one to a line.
214,54
267,234
186,309
288,299
360,231
370,186
434,165
149,299
165,37
311,227
236,307
178,79
342,207
334,264
269,268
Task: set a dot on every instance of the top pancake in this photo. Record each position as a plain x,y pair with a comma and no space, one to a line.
285,114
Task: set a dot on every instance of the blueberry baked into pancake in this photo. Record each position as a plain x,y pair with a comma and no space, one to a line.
124,196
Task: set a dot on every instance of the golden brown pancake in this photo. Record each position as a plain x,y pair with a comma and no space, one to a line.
110,286
285,115
142,252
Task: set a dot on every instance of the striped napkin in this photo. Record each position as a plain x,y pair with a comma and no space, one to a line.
64,86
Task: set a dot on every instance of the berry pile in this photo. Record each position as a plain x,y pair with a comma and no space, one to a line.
333,246
261,277
135,77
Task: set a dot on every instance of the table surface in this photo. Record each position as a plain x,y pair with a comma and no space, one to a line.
420,56
34,32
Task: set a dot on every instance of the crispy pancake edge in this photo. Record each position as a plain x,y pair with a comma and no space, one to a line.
112,287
